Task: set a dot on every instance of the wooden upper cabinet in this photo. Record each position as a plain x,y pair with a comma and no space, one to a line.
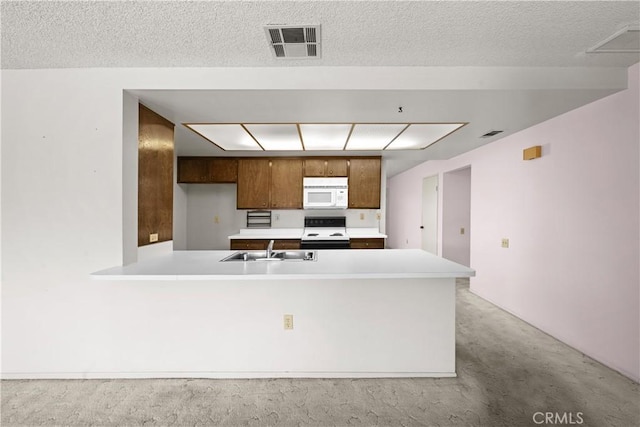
207,170
337,167
325,167
254,183
364,183
314,167
286,183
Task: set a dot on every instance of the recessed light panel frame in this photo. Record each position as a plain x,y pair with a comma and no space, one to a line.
323,136
276,136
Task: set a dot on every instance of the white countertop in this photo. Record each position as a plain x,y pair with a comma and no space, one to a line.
296,233
330,264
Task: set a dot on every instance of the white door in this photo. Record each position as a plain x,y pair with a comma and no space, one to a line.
430,214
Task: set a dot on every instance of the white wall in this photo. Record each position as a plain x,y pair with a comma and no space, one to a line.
572,218
204,203
63,214
67,201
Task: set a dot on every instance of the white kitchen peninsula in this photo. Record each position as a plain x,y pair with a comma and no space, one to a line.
356,313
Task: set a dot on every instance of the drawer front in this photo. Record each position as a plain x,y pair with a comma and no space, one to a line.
286,244
367,243
261,244
250,245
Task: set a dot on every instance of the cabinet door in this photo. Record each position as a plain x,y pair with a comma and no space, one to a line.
364,183
367,243
223,170
314,167
286,183
336,167
207,170
192,169
253,183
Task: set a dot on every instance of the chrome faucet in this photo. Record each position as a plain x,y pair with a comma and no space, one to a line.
270,248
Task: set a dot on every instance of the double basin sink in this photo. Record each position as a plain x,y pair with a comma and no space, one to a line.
274,256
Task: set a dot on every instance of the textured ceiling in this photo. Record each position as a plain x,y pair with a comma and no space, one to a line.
76,34
537,50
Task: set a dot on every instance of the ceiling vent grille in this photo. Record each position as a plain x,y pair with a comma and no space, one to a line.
294,41
491,133
626,40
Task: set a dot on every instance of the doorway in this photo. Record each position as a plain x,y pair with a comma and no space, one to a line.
456,216
429,227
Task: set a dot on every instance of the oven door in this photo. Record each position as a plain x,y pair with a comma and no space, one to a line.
319,198
325,244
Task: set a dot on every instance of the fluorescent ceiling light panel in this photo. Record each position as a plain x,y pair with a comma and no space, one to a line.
324,136
276,137
373,136
627,40
420,136
229,137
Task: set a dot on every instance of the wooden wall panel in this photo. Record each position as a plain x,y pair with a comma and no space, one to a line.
155,177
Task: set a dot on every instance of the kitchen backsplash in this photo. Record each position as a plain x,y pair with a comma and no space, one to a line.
211,216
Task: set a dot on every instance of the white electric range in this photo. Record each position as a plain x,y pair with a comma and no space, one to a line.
325,232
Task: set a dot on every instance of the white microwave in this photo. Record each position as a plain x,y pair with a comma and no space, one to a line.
325,193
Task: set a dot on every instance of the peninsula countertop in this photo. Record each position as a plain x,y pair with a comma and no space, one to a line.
330,264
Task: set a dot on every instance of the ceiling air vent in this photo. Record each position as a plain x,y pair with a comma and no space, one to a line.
492,133
294,41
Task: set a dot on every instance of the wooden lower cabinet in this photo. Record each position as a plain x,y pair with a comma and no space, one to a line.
285,244
367,243
261,244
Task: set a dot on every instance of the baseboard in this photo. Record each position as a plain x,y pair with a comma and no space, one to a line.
559,338
216,375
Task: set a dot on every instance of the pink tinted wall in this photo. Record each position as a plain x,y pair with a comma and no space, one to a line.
456,216
572,218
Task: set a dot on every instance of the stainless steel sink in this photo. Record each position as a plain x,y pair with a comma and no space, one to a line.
275,256
296,255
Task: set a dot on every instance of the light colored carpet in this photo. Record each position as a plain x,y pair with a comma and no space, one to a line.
507,372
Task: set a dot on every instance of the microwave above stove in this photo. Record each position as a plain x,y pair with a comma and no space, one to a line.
325,193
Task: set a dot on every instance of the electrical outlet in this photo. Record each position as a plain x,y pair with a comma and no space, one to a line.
362,215
505,243
461,230
288,321
153,237
216,219
277,217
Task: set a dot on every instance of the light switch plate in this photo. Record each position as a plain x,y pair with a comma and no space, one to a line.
505,243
